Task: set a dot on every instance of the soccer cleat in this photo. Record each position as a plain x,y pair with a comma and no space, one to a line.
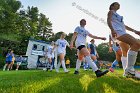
132,74
44,69
66,71
16,69
57,70
100,73
111,69
76,72
85,69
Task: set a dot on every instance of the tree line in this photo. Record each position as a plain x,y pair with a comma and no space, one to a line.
18,24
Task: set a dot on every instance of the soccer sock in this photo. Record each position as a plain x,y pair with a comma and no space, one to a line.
78,64
63,65
51,66
124,62
114,64
4,67
91,64
131,57
97,63
58,65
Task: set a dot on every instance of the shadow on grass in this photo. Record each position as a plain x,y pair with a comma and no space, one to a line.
86,83
52,82
111,84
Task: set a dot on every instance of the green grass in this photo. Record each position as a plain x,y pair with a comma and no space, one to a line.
39,81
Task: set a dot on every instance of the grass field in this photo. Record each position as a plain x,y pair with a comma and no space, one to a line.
39,81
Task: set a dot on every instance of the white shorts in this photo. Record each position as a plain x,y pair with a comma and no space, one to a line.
61,52
92,55
18,63
49,55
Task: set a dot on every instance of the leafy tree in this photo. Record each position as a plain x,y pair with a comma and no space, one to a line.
44,28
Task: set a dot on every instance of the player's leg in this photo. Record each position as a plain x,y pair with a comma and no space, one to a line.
88,59
131,55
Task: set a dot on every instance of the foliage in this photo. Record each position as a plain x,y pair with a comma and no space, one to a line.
17,25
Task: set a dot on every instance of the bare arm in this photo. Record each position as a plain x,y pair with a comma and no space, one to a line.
110,13
109,19
73,39
89,48
110,45
96,37
130,29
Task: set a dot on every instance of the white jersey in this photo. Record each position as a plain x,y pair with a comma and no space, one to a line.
81,36
61,46
50,54
49,49
118,24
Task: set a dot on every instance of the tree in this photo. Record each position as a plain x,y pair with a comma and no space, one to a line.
102,50
8,17
44,28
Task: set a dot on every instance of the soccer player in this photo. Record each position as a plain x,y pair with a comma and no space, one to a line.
80,35
113,45
93,52
118,30
61,51
50,55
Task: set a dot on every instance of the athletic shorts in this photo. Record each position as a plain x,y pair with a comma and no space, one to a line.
61,52
8,62
18,63
81,46
92,55
49,55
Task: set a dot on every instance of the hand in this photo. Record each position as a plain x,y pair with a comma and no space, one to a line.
110,50
103,38
114,34
137,32
97,56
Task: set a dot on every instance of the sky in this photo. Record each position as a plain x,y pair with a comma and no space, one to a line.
66,14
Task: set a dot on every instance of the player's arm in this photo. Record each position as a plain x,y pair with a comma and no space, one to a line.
89,48
132,30
97,54
110,45
73,39
55,45
109,19
96,37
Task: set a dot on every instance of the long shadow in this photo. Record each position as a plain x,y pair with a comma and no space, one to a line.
23,82
112,84
106,84
52,82
69,84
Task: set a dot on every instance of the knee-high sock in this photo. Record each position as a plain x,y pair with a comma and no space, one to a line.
131,55
63,65
78,64
114,64
97,63
4,67
58,65
51,66
124,62
91,64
